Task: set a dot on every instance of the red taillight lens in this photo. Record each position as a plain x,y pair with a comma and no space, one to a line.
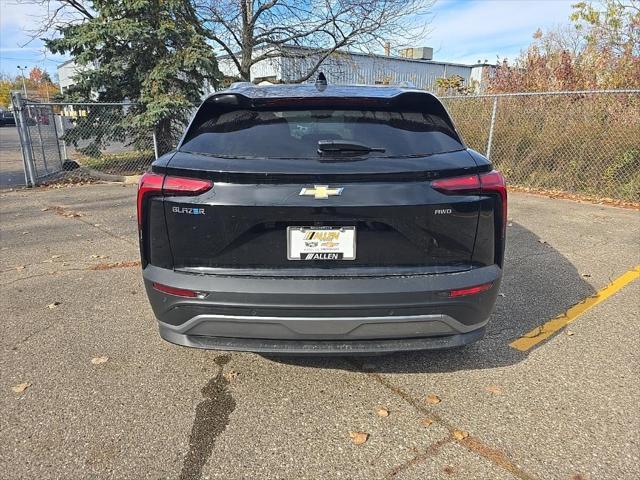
486,183
461,292
457,185
150,184
155,184
493,182
185,186
178,292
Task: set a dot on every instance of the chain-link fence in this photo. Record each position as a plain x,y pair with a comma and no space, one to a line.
579,142
99,137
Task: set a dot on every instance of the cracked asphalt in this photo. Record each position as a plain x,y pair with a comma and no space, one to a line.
567,409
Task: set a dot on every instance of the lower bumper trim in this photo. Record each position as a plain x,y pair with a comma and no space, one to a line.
321,347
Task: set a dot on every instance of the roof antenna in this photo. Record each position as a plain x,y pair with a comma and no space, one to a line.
321,82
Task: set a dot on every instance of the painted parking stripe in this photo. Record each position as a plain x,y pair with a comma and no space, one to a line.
541,333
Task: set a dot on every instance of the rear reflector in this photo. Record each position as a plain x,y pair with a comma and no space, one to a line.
470,291
178,292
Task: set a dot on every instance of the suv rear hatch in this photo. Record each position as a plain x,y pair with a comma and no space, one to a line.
269,179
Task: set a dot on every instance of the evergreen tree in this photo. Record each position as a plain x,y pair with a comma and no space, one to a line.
140,51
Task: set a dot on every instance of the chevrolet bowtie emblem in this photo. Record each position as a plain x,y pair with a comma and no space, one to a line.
321,191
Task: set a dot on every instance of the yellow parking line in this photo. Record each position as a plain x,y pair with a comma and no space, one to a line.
541,333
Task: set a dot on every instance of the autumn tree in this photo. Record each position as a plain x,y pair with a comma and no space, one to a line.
5,92
454,85
599,49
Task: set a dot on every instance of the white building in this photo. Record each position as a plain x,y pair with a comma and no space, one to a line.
416,66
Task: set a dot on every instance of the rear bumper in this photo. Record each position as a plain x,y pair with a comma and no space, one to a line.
323,315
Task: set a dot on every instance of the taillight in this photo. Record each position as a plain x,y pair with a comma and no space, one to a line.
185,186
461,292
486,183
493,182
152,184
469,184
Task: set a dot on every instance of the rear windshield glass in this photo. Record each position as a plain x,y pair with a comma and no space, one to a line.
296,133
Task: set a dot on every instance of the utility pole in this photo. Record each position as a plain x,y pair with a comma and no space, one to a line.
24,85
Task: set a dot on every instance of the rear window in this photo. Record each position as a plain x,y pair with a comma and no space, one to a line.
296,133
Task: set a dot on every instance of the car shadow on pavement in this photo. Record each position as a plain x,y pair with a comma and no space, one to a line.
539,283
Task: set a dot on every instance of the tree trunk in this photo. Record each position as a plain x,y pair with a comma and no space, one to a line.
246,54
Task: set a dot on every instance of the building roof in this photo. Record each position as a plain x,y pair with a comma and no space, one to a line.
311,50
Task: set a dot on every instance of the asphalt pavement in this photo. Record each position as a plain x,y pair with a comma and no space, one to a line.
89,390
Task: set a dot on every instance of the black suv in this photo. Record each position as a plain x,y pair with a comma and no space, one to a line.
6,118
314,219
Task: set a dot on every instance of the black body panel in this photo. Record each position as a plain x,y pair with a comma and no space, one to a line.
397,222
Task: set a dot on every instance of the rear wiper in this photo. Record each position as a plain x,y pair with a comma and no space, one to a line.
344,146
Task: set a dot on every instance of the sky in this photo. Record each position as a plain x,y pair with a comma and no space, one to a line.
462,31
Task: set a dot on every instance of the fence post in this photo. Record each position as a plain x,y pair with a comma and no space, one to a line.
60,124
155,143
25,139
491,126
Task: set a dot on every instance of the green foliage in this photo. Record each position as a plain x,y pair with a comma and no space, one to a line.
139,51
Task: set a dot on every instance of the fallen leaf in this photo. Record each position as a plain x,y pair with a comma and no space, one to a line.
494,389
569,333
382,412
99,360
21,387
426,422
359,438
53,305
109,266
460,434
433,399
231,375
449,470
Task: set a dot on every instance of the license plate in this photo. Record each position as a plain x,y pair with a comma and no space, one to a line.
321,243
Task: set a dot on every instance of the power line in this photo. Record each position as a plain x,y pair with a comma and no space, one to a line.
31,59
